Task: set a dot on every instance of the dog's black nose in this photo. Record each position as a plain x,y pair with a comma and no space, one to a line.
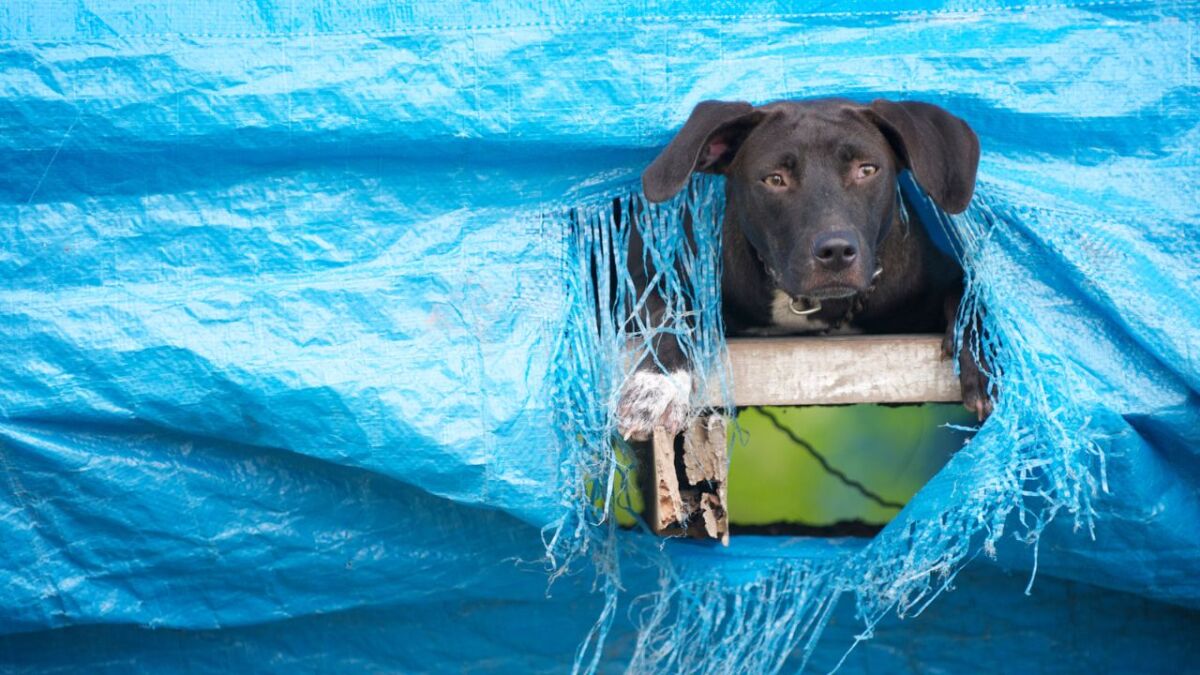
836,250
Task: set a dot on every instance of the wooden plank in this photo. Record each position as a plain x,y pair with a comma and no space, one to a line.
839,370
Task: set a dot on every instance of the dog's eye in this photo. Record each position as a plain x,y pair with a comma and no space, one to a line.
775,180
866,171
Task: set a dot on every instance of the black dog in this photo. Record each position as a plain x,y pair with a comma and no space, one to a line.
813,237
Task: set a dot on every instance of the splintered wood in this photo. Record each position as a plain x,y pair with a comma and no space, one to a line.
690,494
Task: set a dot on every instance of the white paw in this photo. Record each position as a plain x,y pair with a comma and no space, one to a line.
652,400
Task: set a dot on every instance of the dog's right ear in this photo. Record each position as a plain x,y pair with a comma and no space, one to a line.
707,142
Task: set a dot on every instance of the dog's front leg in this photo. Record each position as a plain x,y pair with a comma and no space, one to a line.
658,393
972,377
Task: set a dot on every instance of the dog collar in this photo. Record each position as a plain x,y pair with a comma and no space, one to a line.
808,306
805,306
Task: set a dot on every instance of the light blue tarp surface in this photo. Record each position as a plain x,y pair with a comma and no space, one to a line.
283,306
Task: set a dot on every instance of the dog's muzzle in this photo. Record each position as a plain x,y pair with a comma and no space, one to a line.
801,305
804,306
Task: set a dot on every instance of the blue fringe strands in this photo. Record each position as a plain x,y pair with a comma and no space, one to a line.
600,349
1034,458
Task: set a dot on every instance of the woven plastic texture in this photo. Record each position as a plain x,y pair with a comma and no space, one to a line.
300,368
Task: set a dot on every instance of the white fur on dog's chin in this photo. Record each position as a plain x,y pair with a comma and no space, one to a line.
783,317
650,400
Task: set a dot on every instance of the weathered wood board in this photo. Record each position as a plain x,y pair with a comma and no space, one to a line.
839,370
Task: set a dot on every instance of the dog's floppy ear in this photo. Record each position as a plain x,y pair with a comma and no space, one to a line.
940,149
707,142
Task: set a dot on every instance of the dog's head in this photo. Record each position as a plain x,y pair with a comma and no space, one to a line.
812,184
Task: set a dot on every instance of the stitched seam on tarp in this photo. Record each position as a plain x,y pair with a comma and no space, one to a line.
607,22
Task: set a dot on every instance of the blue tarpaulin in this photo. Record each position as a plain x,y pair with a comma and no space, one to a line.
299,366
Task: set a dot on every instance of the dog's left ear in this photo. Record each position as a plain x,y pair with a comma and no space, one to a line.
940,149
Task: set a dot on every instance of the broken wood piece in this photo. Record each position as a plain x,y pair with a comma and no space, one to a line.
702,461
665,506
690,494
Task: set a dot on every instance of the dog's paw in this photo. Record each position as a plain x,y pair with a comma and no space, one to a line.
975,385
652,400
972,376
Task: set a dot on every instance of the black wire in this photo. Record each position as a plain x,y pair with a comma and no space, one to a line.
848,481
